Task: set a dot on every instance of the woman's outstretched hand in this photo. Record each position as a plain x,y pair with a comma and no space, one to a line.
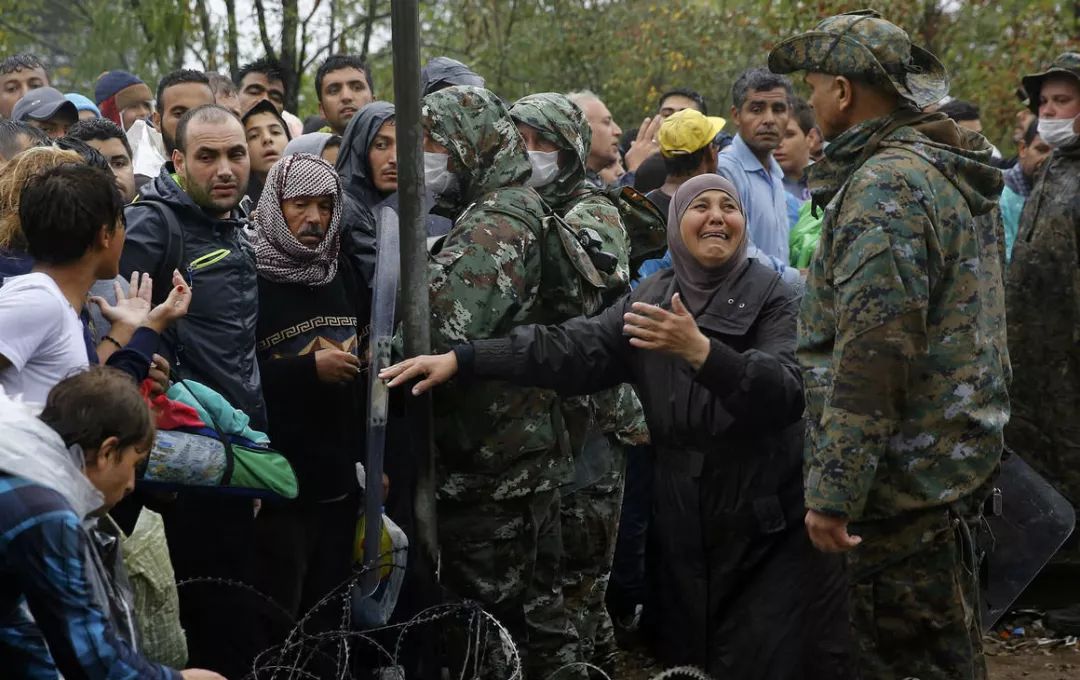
436,369
675,332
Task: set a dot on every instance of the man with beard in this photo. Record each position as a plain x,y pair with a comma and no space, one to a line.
309,354
760,107
177,93
367,164
343,86
188,220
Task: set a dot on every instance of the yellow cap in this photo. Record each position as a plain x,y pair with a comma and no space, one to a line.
686,131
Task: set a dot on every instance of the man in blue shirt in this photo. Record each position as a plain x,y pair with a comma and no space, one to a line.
761,104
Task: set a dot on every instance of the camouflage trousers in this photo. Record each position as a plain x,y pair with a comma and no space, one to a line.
590,523
915,597
506,556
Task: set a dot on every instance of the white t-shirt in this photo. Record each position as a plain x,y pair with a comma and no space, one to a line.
40,334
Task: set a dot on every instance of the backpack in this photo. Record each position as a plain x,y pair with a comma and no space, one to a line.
646,227
174,249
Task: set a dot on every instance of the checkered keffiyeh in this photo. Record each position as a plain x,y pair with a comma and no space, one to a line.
278,255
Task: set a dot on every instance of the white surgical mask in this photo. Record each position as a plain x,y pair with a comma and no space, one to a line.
437,177
545,165
1058,132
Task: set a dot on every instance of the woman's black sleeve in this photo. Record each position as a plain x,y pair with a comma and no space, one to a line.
579,356
763,385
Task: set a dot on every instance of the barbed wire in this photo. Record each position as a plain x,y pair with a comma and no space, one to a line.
476,645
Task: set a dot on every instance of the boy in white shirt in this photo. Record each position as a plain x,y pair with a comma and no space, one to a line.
73,221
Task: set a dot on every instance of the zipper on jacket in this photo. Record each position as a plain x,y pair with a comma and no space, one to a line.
204,261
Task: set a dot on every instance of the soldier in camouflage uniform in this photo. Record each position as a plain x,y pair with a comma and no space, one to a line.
1043,294
601,425
503,452
902,344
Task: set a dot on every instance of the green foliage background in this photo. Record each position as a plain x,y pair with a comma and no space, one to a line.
628,51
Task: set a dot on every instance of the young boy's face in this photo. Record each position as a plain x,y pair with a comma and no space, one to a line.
112,471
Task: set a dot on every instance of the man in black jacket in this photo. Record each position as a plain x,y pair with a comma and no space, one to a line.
309,348
188,220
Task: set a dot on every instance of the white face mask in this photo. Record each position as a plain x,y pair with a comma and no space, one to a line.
438,179
1059,132
545,165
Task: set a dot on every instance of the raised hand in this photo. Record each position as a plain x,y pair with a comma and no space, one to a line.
645,145
131,308
174,306
675,332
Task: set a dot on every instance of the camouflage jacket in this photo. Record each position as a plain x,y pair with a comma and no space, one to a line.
495,440
901,332
1043,301
561,122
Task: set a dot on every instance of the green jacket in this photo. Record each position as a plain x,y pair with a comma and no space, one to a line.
562,123
494,440
901,333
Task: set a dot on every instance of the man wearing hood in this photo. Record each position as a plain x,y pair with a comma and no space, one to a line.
442,72
503,452
309,348
366,184
1042,295
557,136
190,220
901,340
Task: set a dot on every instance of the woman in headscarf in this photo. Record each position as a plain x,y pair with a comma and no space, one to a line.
709,345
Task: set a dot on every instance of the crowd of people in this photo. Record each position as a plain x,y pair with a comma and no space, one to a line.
733,392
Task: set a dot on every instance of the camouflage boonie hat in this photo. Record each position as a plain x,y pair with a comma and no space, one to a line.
862,44
1067,64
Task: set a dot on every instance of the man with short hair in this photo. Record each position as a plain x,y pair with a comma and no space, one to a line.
793,154
52,567
123,98
189,220
107,137
1018,181
678,99
311,310
604,150
47,109
261,79
16,137
343,86
965,113
760,107
902,346
686,144
177,93
225,92
19,74
1041,291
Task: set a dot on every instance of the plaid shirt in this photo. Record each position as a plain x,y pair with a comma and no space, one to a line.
44,574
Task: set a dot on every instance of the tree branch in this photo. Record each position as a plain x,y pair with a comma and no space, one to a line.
315,56
268,47
33,38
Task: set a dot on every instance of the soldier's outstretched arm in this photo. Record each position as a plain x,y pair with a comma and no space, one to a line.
881,288
485,273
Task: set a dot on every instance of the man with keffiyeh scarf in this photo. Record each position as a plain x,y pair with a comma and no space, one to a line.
309,342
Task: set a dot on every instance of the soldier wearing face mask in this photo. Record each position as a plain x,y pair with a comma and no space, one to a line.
557,135
502,450
1041,293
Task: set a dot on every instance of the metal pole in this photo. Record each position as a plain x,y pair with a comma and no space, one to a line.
416,315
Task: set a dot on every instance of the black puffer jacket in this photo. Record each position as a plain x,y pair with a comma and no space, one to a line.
218,334
741,590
